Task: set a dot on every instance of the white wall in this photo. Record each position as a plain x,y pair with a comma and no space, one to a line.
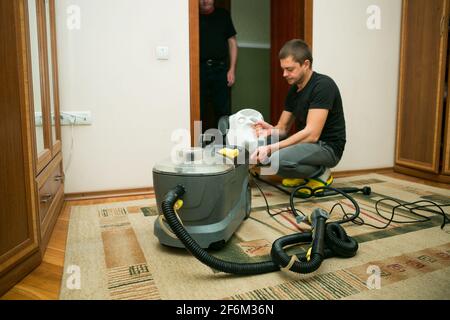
109,67
365,65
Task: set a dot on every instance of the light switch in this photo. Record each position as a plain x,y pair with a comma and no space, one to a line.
162,53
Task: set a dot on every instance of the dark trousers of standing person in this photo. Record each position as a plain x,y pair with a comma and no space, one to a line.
214,92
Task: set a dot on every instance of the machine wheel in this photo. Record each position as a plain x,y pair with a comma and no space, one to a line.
248,207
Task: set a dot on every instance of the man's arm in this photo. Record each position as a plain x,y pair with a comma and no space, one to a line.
233,52
285,124
310,134
264,129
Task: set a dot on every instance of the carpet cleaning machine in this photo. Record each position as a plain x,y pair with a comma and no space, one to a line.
204,196
219,196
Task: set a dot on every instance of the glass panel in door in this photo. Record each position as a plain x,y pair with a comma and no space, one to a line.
50,69
36,76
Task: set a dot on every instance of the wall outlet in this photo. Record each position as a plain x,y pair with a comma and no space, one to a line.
76,118
162,53
38,119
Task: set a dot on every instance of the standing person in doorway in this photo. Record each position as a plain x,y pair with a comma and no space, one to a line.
314,102
218,58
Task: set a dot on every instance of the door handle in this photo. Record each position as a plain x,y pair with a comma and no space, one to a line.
444,25
46,198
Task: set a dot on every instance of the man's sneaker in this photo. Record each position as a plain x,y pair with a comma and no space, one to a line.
293,183
324,180
325,176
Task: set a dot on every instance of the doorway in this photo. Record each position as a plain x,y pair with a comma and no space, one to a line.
289,19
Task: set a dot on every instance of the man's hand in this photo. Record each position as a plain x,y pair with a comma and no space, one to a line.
262,129
231,78
261,155
233,54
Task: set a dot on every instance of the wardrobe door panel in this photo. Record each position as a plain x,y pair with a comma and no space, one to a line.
422,77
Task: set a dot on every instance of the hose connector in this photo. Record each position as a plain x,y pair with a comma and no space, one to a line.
316,215
318,221
174,194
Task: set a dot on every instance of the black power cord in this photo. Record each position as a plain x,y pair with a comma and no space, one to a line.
273,215
323,189
317,192
412,207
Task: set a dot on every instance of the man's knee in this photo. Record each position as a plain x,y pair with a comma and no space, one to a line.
289,170
286,166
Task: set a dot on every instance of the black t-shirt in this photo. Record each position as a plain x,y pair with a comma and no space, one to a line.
215,30
321,92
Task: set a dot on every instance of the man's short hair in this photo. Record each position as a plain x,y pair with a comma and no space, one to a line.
298,49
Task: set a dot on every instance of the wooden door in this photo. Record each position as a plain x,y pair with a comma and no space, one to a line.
42,27
290,20
421,90
18,222
446,154
51,73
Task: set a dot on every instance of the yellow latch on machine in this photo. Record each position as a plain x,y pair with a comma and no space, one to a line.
229,153
178,205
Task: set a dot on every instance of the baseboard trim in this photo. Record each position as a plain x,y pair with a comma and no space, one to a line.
423,175
151,192
341,174
109,194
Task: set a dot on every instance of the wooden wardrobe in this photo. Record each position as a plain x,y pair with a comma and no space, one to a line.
423,124
32,179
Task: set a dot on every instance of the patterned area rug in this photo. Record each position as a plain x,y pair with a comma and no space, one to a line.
112,253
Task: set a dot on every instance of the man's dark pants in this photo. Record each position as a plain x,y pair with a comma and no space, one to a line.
214,91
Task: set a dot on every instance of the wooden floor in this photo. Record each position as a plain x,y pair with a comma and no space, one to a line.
45,281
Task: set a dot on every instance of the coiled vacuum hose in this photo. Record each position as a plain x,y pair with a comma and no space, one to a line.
201,254
329,240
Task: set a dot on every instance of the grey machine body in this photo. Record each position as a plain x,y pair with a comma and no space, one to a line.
217,199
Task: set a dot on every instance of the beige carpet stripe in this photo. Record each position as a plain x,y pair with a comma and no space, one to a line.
134,292
128,274
407,266
344,283
351,279
113,212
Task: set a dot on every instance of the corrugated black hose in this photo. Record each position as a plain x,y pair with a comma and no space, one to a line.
201,254
328,240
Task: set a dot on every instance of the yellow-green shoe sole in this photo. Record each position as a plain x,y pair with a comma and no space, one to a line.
293,183
314,184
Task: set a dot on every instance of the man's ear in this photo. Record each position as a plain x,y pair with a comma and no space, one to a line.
307,63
